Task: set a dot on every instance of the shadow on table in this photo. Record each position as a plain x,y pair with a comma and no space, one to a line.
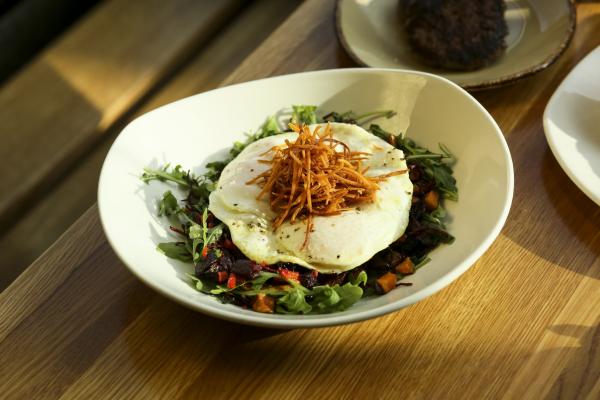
578,363
550,216
213,353
577,212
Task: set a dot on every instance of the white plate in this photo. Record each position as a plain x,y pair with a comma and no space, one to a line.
200,128
539,32
572,125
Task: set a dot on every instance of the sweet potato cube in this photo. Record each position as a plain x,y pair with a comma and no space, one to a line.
432,200
406,267
263,303
387,282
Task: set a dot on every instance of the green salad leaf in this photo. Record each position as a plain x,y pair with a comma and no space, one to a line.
168,205
263,277
302,114
294,301
335,298
360,279
176,250
437,166
163,174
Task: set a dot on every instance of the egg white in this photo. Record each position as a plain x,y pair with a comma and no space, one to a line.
338,243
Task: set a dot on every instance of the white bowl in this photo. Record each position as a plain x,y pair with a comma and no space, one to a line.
200,128
571,121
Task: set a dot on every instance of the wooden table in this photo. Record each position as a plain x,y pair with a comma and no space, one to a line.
522,323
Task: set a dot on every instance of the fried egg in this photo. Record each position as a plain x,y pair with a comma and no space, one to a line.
337,243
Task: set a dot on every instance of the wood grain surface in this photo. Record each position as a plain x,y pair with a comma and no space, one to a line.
58,107
46,219
522,323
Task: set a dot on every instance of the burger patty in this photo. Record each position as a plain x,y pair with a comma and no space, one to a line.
455,34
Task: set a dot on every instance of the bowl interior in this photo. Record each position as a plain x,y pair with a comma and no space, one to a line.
201,128
538,32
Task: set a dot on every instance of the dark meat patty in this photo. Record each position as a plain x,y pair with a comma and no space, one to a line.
455,34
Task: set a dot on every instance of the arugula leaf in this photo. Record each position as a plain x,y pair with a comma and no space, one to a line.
200,285
199,193
176,250
350,117
294,302
201,234
262,278
224,289
325,297
214,234
361,278
270,127
210,235
436,165
349,294
168,205
195,231
214,170
424,260
379,132
199,187
197,282
436,217
176,175
302,114
335,298
347,118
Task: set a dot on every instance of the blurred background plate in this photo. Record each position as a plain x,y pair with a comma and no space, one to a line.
571,124
539,31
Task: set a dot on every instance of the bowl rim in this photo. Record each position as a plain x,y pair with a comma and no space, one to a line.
483,84
334,318
561,157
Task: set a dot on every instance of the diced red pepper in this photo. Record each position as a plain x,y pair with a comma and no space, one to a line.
231,281
290,275
222,276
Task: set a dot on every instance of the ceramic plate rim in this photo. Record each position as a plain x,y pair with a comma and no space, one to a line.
484,84
550,138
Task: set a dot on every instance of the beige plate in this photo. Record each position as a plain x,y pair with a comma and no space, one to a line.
539,32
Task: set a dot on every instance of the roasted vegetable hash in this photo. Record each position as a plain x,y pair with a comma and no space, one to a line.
221,270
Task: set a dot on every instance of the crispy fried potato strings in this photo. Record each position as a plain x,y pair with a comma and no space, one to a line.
316,175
